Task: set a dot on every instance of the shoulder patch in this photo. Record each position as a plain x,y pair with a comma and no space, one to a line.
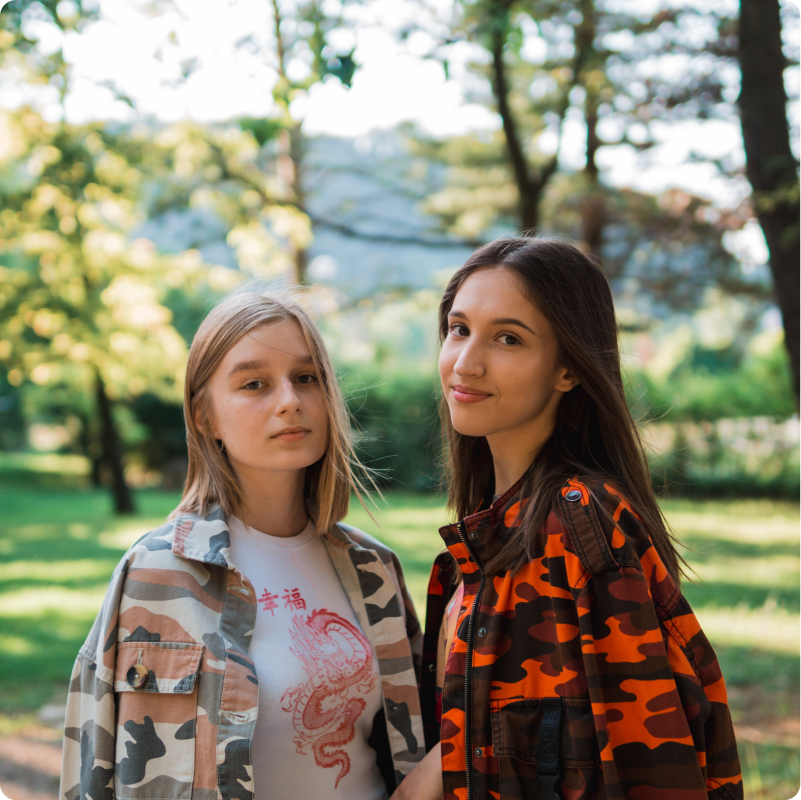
584,528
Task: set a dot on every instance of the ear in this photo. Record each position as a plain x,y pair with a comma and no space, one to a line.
197,416
201,422
565,380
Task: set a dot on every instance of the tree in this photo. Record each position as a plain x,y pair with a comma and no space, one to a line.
80,302
547,63
771,167
300,46
21,52
256,179
532,95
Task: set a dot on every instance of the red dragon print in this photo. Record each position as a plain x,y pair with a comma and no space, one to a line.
339,661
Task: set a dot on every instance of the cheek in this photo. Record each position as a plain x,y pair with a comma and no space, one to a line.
447,358
319,415
242,416
528,379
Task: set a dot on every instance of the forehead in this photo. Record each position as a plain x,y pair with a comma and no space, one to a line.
276,342
495,292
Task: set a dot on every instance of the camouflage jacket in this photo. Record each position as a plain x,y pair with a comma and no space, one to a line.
585,671
178,615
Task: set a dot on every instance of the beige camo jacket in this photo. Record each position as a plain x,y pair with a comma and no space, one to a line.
178,607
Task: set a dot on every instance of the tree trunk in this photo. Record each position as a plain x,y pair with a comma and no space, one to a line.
591,205
112,450
296,153
770,166
87,442
528,190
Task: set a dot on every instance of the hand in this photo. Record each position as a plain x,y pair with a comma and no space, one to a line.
424,782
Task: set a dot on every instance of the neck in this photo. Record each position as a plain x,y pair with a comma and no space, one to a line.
273,501
513,451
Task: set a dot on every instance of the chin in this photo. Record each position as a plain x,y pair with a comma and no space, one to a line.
295,461
282,461
470,427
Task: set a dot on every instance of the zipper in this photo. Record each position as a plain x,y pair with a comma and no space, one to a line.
468,667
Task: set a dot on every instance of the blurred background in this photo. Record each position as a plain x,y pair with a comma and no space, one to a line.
156,154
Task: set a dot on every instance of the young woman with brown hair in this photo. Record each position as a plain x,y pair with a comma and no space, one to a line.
560,657
254,646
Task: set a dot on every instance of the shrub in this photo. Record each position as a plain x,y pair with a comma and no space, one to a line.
398,426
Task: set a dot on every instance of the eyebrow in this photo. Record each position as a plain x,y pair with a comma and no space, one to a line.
499,321
245,366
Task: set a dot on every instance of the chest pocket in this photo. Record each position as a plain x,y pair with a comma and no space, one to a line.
561,733
155,688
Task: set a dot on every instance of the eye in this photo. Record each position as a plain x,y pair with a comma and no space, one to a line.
307,379
458,330
509,339
253,385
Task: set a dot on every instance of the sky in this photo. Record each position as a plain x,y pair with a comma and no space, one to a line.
141,47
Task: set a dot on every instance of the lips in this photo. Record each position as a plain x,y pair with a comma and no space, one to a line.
466,394
291,434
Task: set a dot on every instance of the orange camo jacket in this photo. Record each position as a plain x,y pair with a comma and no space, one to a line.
584,672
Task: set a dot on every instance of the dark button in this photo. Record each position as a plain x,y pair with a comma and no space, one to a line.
432,667
473,535
482,632
478,752
136,676
573,495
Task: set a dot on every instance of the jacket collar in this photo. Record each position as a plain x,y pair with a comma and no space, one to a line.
487,530
203,538
206,538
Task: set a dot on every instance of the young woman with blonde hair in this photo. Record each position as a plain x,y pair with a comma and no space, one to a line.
253,646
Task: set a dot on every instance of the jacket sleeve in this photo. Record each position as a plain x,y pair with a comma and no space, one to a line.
413,630
644,737
87,769
658,697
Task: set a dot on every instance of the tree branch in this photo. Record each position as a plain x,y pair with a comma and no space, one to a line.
353,233
527,192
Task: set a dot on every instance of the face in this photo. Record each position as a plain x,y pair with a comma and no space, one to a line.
267,404
498,364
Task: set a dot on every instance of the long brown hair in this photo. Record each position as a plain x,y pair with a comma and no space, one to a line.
594,436
211,479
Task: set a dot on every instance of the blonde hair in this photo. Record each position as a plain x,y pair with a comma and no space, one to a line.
210,478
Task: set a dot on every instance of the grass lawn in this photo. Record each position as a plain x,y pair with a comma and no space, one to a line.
59,543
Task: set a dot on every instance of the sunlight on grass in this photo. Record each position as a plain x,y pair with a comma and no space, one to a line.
774,571
53,463
33,602
16,645
59,571
768,628
750,521
126,535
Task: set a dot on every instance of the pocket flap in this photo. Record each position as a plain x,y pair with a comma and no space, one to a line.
171,666
516,731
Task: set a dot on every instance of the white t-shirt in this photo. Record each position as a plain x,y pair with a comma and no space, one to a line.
319,686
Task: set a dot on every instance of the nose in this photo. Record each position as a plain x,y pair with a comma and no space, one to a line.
288,400
470,364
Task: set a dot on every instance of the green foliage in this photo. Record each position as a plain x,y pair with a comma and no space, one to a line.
77,297
398,426
12,420
263,130
165,435
715,384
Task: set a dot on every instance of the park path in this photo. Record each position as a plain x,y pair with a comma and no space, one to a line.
29,767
